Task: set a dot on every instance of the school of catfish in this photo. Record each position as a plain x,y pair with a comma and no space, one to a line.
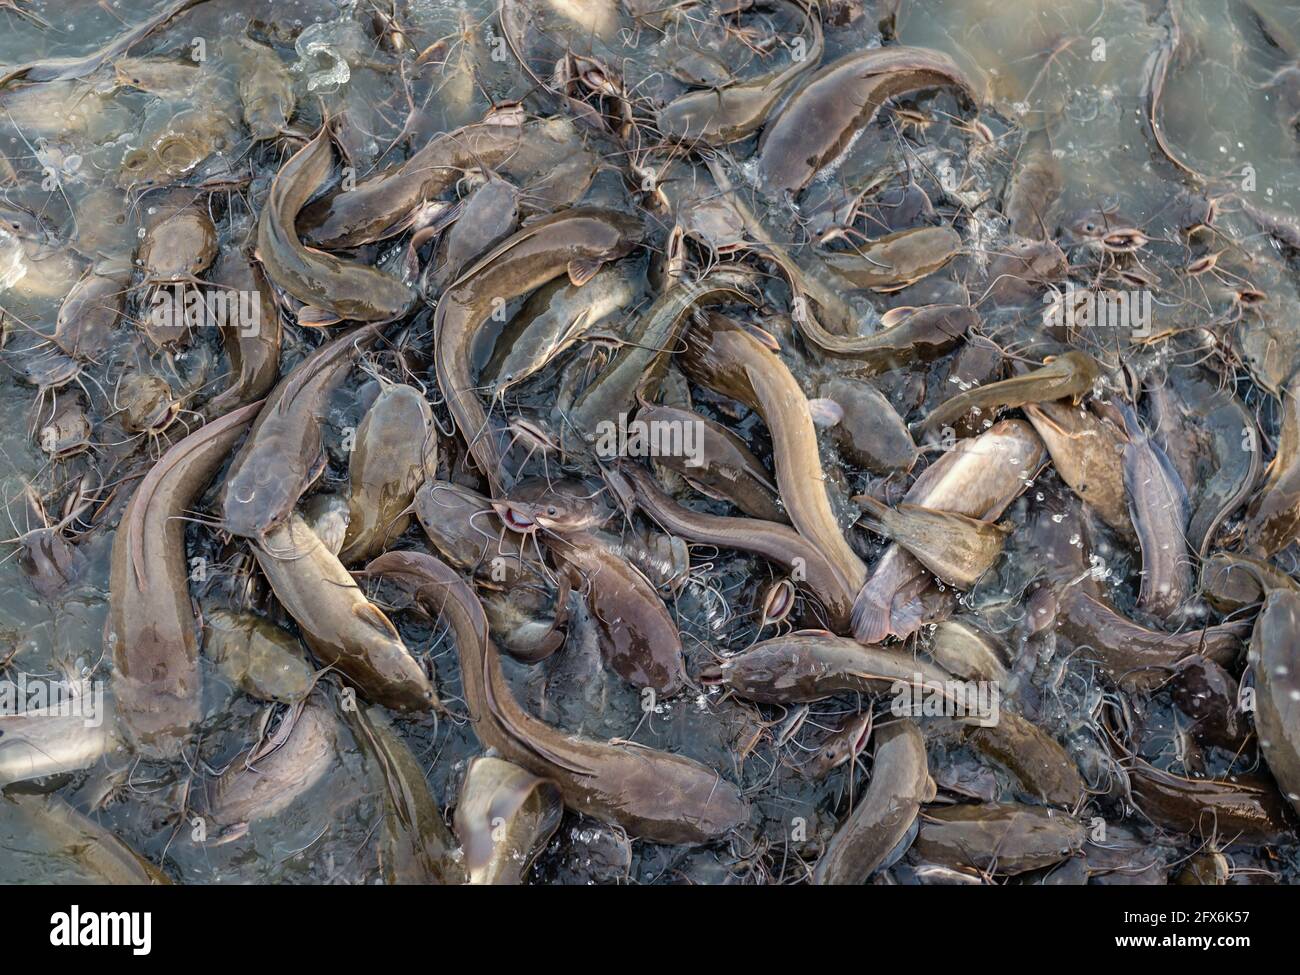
602,441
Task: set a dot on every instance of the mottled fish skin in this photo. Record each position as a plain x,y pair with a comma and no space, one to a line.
1159,509
810,665
392,455
641,641
655,795
979,478
1273,518
1004,836
1133,654
900,784
153,632
1043,768
342,289
1275,662
1087,453
818,123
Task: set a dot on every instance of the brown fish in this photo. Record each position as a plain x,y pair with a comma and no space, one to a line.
1160,511
1246,808
978,478
820,120
417,847
394,452
1069,375
285,454
957,549
1087,453
1000,837
505,817
722,115
871,434
331,288
252,335
266,778
1275,663
883,816
575,241
153,633
730,360
385,204
1273,518
1126,650
654,795
1043,768
342,627
772,540
810,665
724,467
896,261
640,641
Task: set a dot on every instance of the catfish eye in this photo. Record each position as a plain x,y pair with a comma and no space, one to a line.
551,510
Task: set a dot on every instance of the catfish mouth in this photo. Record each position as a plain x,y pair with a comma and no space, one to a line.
239,512
860,739
710,676
855,746
780,601
161,419
515,518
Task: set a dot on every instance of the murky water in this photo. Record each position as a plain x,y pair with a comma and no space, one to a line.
1072,82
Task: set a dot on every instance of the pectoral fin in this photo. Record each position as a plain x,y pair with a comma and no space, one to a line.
372,616
309,316
582,270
